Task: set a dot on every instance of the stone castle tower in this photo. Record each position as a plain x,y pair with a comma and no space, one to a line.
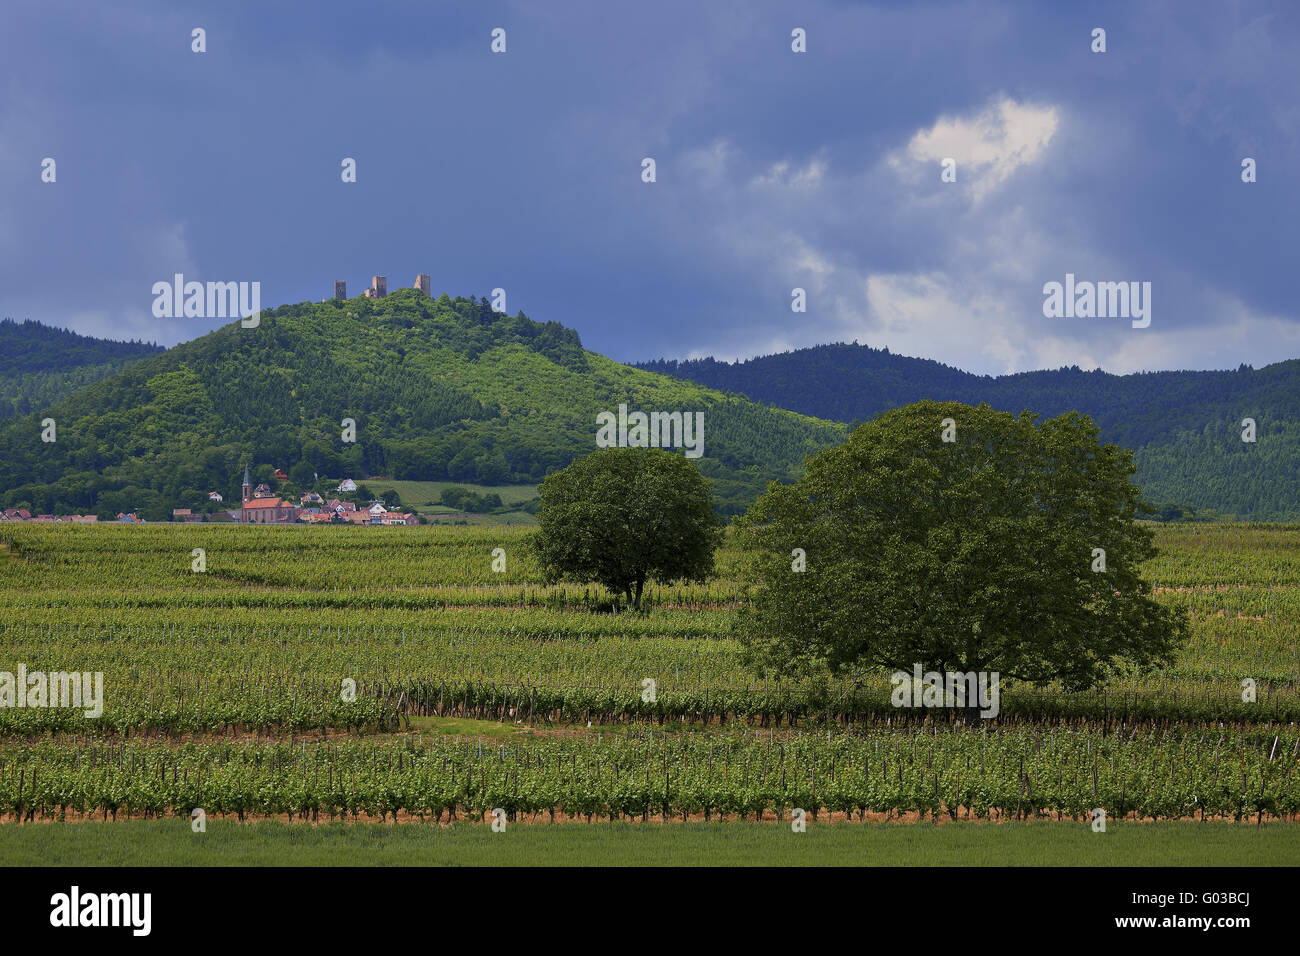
379,287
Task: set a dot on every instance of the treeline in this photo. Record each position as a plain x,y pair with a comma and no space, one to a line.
32,347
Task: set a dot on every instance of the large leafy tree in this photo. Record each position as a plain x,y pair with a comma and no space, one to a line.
977,554
625,516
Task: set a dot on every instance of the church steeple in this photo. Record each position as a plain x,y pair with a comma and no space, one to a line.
248,486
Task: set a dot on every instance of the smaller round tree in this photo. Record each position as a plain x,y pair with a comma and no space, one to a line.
625,516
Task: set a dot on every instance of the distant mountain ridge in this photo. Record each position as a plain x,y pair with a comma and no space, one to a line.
1185,427
439,389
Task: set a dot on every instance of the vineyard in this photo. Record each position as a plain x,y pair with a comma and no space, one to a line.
931,772
478,689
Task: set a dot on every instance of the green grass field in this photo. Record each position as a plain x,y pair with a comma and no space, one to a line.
419,494
424,497
172,843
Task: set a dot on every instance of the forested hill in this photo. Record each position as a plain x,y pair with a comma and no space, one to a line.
1185,427
439,389
39,364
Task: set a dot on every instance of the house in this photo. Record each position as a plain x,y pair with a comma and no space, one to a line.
377,509
17,514
181,514
397,517
84,519
130,519
215,496
267,511
44,518
280,475
263,491
347,484
312,498
335,505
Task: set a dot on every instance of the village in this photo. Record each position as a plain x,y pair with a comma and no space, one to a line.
259,505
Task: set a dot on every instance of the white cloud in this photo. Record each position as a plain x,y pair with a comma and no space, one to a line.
967,322
989,146
931,315
1235,335
783,174
770,346
709,163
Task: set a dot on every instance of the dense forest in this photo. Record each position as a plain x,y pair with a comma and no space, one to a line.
1185,427
40,365
440,389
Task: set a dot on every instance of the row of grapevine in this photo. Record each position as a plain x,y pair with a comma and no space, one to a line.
948,773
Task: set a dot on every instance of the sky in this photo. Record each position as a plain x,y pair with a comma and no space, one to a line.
774,169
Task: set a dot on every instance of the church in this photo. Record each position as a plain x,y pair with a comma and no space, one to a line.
262,507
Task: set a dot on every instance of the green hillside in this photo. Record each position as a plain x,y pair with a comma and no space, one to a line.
441,389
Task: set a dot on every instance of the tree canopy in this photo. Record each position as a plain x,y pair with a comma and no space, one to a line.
625,516
1011,548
